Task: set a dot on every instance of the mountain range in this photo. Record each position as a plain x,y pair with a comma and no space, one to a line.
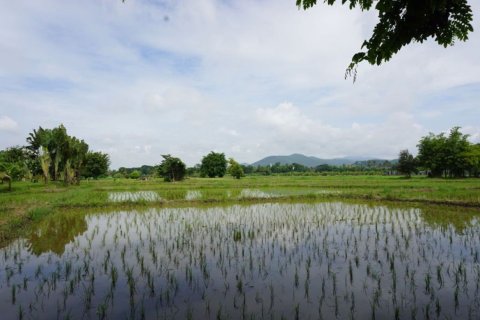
308,161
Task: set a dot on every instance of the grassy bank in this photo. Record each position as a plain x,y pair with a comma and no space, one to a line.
29,202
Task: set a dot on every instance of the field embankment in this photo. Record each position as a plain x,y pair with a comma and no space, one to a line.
28,202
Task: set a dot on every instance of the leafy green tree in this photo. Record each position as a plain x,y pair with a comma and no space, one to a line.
263,170
39,141
235,169
96,164
56,151
118,175
444,155
75,152
135,174
45,161
13,154
406,164
324,168
123,171
431,154
194,171
13,162
57,145
248,169
472,157
404,21
172,169
456,147
213,165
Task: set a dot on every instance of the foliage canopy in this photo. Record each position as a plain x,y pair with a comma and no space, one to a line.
235,169
213,165
403,21
451,155
96,164
56,151
407,163
172,169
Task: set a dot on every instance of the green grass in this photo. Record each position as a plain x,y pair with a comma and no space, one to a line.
29,202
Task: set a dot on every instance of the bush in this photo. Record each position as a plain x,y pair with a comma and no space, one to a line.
135,174
235,169
38,213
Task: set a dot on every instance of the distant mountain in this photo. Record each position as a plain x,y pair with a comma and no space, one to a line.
303,160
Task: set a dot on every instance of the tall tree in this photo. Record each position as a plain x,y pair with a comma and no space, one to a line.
406,164
57,151
431,154
75,153
172,169
96,164
213,165
235,169
45,162
404,21
445,155
56,146
14,162
472,157
456,147
39,142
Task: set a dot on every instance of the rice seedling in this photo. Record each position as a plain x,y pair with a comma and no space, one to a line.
256,193
193,195
149,196
306,260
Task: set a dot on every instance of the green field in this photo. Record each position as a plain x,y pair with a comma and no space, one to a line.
289,247
29,202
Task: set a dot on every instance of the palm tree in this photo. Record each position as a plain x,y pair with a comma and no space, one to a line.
45,161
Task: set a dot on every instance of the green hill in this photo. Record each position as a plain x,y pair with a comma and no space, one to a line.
303,160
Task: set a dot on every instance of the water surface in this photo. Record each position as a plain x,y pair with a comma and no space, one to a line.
271,261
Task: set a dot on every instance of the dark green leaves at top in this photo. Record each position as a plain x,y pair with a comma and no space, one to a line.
404,21
172,169
213,165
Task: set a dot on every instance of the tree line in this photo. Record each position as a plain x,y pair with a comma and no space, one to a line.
53,155
171,168
442,155
212,165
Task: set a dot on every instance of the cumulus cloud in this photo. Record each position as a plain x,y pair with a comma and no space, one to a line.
213,77
288,127
7,124
285,117
474,132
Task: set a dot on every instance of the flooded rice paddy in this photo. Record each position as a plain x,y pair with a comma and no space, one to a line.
261,261
133,196
191,195
256,193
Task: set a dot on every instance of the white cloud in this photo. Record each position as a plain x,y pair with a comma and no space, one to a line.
474,132
7,124
288,128
285,117
211,76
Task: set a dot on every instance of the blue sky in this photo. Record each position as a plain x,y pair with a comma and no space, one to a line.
248,78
